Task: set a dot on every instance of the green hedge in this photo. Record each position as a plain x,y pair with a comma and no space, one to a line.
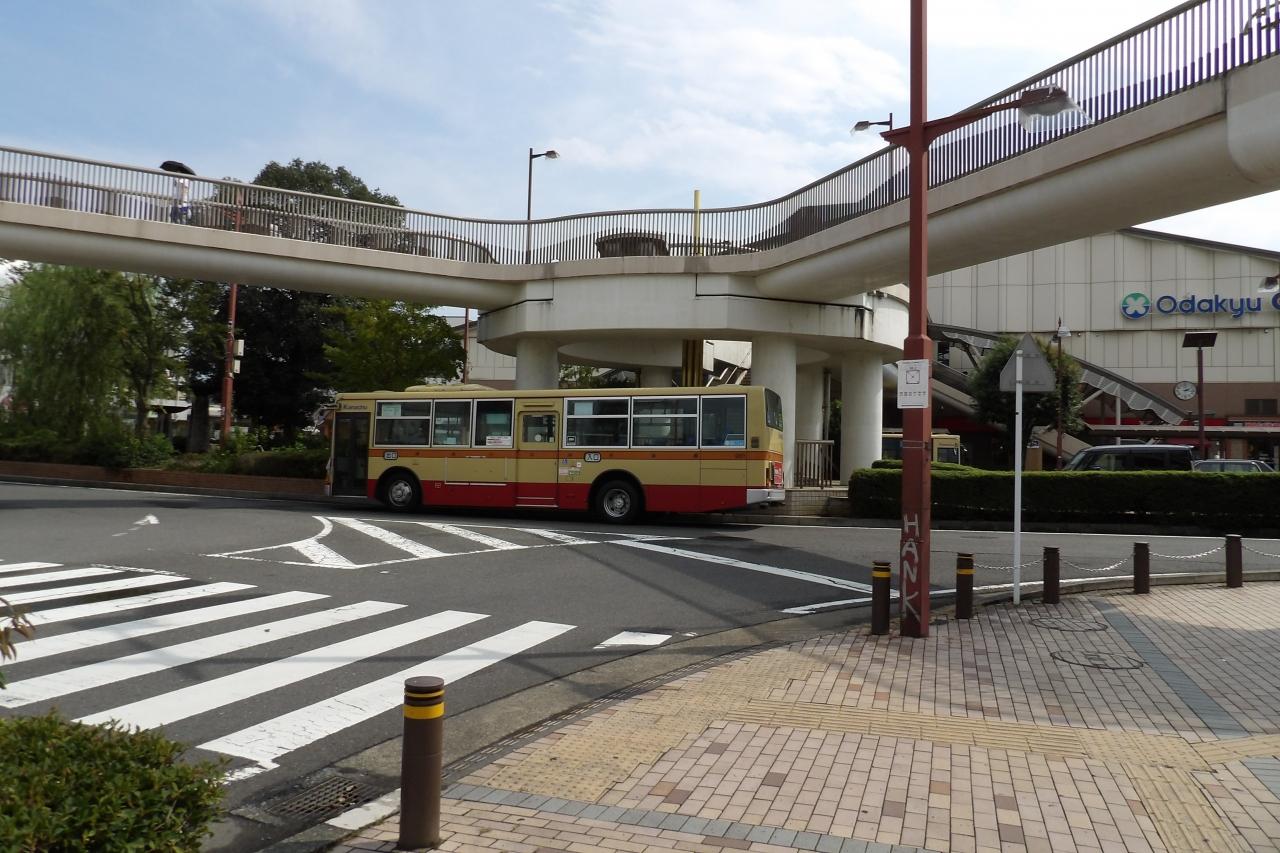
65,786
1166,497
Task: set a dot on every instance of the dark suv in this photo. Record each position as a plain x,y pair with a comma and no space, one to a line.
1133,457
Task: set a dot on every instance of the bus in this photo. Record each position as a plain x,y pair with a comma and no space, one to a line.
616,452
946,447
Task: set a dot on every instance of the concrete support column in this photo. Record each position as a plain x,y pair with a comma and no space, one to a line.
655,377
809,402
773,365
861,411
537,364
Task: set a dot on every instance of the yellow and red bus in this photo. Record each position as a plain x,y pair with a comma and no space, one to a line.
617,452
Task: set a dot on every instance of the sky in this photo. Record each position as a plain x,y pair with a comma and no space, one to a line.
438,103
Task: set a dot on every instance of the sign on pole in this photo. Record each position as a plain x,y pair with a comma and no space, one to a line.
1037,373
913,383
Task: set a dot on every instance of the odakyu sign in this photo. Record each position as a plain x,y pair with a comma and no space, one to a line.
1135,306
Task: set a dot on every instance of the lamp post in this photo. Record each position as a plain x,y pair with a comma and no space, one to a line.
917,424
1061,332
550,154
1200,340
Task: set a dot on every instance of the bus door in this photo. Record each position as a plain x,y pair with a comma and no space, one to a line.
350,453
537,457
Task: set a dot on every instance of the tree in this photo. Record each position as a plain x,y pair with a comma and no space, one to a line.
61,330
997,407
379,344
202,306
586,376
284,330
148,342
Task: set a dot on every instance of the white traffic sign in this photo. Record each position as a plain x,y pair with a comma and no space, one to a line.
913,383
1037,374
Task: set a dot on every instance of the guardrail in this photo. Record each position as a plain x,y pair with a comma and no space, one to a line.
1186,46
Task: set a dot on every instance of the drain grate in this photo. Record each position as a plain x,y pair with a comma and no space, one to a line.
1097,660
326,798
1056,623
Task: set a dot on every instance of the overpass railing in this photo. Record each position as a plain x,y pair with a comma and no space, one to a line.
1192,43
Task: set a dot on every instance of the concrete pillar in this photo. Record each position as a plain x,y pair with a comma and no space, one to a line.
861,411
655,377
809,402
773,365
537,364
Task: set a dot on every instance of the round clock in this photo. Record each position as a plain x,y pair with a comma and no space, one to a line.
1184,390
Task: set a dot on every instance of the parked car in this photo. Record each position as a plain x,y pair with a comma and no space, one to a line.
1234,466
1133,457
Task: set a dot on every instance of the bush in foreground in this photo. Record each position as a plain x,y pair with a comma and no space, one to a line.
65,786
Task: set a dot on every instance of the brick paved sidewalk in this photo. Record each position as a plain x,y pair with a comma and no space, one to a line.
1109,722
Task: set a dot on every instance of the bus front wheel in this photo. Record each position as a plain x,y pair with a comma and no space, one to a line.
401,492
617,502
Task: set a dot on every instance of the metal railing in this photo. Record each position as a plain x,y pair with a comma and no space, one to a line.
815,463
1195,42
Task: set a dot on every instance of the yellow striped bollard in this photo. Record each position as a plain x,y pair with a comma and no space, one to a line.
421,762
964,586
880,598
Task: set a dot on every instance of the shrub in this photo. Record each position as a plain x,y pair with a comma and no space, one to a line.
67,786
290,462
1166,497
37,445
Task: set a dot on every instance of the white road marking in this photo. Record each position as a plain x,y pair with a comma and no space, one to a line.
150,519
91,588
316,553
268,741
64,575
558,537
156,660
24,567
208,695
492,542
395,540
42,647
823,605
320,555
810,577
634,638
133,602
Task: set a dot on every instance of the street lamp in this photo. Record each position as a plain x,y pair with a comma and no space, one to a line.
1200,340
1062,332
550,154
917,424
860,126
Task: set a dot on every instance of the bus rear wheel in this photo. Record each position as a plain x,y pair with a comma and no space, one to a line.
617,502
401,491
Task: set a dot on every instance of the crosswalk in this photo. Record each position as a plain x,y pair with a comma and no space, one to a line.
358,543
102,654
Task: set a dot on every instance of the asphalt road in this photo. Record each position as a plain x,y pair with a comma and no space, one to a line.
279,633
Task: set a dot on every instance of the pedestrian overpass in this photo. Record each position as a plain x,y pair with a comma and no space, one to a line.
1183,112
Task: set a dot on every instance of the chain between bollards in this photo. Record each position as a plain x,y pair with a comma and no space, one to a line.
1141,568
1052,576
964,586
421,762
880,598
1235,562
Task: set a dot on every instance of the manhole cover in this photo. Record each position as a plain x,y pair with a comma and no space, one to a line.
1058,623
1097,660
323,800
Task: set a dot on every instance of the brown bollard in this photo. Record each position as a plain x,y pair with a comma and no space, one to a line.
1235,562
1141,568
880,598
421,762
964,586
1052,576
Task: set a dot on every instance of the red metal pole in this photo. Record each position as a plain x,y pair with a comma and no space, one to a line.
917,424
